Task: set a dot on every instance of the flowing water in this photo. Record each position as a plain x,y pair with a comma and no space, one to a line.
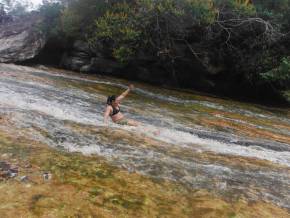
230,148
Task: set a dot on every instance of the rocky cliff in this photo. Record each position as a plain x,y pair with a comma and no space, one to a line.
21,39
216,69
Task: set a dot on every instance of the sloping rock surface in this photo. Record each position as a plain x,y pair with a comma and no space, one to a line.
21,39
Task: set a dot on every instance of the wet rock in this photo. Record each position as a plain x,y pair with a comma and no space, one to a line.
85,69
13,169
13,172
5,155
79,56
28,185
21,40
221,185
4,174
130,169
12,175
27,165
82,46
6,171
3,165
47,176
24,179
73,62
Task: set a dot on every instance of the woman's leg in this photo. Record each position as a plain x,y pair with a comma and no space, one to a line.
132,122
135,123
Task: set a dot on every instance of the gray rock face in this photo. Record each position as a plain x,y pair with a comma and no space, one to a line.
79,56
74,62
21,39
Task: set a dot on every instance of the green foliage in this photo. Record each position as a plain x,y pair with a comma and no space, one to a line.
71,23
123,27
126,26
129,27
272,6
117,25
276,11
119,28
279,75
161,7
199,11
243,8
239,8
78,17
51,13
123,54
203,11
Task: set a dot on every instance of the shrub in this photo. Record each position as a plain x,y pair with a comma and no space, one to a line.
202,11
279,76
118,28
51,13
78,17
149,24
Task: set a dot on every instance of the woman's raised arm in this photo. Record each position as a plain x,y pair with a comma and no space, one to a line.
124,94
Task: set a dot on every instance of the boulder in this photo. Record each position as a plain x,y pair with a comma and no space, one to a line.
79,56
74,62
21,39
86,69
81,46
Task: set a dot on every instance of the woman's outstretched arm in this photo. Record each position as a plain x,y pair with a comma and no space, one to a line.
124,94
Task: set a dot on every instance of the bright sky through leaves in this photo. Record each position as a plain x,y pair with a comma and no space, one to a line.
36,2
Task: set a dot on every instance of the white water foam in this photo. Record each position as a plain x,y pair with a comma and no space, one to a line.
77,110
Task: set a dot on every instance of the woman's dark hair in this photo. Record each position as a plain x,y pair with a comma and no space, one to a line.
110,99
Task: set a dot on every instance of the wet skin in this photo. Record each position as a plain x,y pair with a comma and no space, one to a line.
119,116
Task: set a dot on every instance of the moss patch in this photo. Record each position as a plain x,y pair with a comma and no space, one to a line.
89,187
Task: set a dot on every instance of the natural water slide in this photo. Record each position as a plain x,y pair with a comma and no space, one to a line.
213,157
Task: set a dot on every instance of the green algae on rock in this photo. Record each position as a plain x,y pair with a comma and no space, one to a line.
213,157
72,192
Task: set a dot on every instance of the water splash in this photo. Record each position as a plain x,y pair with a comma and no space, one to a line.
57,109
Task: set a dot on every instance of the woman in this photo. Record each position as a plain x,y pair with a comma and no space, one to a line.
113,109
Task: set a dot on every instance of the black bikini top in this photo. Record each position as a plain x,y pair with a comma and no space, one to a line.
115,111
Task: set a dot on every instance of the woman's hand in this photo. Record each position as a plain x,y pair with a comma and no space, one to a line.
124,94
